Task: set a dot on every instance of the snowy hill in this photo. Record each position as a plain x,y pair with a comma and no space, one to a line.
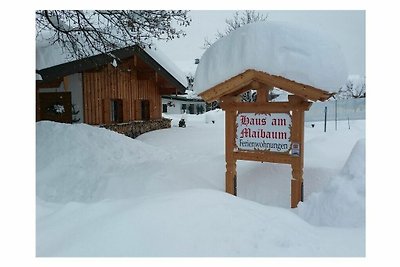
100,193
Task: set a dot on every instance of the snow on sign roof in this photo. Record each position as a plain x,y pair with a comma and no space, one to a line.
276,48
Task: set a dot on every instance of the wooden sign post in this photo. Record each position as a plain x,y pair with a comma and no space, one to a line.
263,140
264,131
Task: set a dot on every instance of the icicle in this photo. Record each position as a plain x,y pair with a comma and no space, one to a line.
114,63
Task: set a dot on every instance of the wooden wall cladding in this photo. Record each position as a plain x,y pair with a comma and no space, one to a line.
102,85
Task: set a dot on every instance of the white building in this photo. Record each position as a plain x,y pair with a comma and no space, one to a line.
183,103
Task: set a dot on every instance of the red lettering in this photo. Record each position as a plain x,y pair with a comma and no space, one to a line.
262,133
263,121
244,120
245,132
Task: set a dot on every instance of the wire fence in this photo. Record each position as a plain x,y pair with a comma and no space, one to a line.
344,109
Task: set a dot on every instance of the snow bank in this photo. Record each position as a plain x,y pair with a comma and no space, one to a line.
215,116
100,193
80,162
342,202
277,48
187,223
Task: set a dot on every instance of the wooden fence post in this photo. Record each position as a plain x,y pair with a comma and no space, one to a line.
297,137
230,130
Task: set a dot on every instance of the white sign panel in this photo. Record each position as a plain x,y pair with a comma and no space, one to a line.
270,132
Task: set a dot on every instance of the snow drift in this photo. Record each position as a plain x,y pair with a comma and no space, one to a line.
78,162
277,48
186,223
342,202
100,193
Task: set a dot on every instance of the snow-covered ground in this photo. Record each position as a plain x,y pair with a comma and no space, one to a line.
100,193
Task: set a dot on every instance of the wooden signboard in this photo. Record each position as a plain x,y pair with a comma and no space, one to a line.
275,136
264,131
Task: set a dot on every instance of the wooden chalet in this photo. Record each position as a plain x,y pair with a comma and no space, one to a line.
122,86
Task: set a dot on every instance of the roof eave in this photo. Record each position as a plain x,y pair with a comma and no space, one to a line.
236,83
160,69
97,61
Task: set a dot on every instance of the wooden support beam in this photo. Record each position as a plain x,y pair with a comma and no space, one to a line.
297,137
302,90
241,91
230,131
228,87
258,107
237,83
37,104
262,93
66,84
255,85
228,99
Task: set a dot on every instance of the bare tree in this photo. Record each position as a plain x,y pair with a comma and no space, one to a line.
238,20
354,88
83,33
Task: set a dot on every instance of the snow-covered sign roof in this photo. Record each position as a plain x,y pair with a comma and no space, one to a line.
275,48
48,56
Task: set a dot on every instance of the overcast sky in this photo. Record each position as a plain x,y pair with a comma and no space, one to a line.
345,27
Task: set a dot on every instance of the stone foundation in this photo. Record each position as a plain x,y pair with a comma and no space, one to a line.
135,128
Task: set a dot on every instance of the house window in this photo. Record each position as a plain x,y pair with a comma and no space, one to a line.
200,109
164,108
116,110
191,108
145,110
183,108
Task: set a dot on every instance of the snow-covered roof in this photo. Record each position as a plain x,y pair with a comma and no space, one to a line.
167,64
50,55
277,48
189,95
182,98
187,66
